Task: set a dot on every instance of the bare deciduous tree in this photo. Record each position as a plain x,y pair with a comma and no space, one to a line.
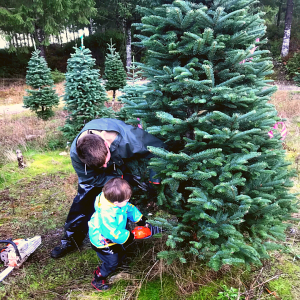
287,28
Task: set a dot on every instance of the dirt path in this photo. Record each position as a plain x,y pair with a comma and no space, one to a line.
18,108
284,87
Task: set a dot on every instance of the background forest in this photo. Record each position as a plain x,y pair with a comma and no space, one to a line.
54,29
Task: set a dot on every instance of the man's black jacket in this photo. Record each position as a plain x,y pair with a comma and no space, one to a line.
130,141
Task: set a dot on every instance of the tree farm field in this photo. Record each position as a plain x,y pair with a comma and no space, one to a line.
36,200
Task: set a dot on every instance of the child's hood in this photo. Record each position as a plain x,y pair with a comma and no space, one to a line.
102,203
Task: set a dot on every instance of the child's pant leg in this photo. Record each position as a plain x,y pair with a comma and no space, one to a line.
111,258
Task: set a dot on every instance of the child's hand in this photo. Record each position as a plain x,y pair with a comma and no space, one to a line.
142,221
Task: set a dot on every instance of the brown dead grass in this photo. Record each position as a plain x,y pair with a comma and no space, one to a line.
287,103
14,94
60,88
19,130
110,94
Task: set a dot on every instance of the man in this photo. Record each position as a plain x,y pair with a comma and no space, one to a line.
99,153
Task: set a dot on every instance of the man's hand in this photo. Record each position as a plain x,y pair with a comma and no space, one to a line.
134,180
129,240
142,221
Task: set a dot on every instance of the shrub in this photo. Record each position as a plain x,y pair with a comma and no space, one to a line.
57,76
293,65
297,79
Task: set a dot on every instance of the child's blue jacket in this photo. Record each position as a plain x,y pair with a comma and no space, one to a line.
107,224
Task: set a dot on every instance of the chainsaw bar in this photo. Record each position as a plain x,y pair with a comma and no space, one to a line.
4,273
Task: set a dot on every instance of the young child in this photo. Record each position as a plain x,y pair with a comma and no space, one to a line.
107,231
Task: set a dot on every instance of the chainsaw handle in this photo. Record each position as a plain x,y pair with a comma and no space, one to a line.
14,245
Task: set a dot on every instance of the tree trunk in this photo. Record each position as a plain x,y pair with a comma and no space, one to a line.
114,96
16,41
128,44
279,13
32,41
90,27
28,41
66,28
42,49
287,28
24,40
10,41
60,39
40,37
19,40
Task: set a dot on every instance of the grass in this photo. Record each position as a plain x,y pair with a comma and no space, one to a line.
37,164
288,285
56,279
36,200
36,205
164,288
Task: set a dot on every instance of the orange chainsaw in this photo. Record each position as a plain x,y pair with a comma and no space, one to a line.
16,252
145,232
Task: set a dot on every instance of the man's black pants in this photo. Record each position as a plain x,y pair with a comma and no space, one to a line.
76,226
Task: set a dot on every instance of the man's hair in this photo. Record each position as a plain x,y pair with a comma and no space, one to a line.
92,150
117,189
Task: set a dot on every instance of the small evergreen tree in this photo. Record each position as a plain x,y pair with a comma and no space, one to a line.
85,96
225,180
132,96
114,71
43,97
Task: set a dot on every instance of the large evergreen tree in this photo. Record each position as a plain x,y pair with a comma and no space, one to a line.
222,176
85,96
114,71
43,97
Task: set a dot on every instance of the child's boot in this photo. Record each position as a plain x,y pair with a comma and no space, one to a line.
99,282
